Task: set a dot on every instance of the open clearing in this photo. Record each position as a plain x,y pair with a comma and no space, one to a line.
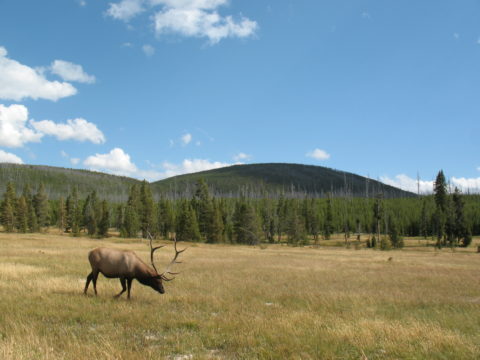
237,302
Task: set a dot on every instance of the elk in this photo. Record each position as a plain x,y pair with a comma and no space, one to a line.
126,265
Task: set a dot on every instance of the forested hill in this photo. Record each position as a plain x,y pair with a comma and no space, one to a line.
255,180
60,181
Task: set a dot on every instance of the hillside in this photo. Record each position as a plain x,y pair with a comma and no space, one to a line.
59,181
276,178
252,180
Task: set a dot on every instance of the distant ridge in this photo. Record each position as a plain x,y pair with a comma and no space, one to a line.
60,181
276,178
251,180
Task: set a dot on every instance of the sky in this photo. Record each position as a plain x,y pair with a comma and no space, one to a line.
155,88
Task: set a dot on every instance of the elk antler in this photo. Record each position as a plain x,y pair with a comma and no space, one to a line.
173,262
152,250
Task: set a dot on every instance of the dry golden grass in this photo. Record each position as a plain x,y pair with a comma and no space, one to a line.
236,302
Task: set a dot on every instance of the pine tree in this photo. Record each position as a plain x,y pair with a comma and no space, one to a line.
203,206
62,213
245,224
22,215
8,208
104,223
73,213
147,211
378,210
441,198
31,214
424,220
295,225
186,228
328,225
119,217
216,228
40,203
462,232
393,233
166,218
281,217
131,224
91,213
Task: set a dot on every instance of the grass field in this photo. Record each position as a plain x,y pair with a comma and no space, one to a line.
236,302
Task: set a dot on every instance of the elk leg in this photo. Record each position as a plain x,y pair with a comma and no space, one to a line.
124,287
89,278
94,280
129,285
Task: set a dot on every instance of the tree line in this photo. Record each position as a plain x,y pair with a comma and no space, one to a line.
449,217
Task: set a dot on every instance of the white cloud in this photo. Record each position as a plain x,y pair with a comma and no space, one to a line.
190,166
13,129
241,157
18,82
71,72
148,50
76,129
125,9
82,3
466,184
116,161
319,154
186,139
119,163
6,157
405,182
196,22
191,18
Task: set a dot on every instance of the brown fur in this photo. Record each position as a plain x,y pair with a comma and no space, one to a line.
123,264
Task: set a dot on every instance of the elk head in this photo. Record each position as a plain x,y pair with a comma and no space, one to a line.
156,282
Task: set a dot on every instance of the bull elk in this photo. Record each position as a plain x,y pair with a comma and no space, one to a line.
126,265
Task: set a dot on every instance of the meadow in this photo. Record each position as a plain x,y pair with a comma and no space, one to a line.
239,302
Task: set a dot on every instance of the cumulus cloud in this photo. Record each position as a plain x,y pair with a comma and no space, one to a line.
13,126
74,129
241,157
405,182
190,18
116,162
71,72
319,154
148,50
186,139
196,22
18,82
6,157
466,184
190,166
125,9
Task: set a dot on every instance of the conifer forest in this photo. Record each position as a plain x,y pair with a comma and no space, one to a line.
447,217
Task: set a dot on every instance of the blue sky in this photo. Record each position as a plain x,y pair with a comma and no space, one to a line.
155,88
